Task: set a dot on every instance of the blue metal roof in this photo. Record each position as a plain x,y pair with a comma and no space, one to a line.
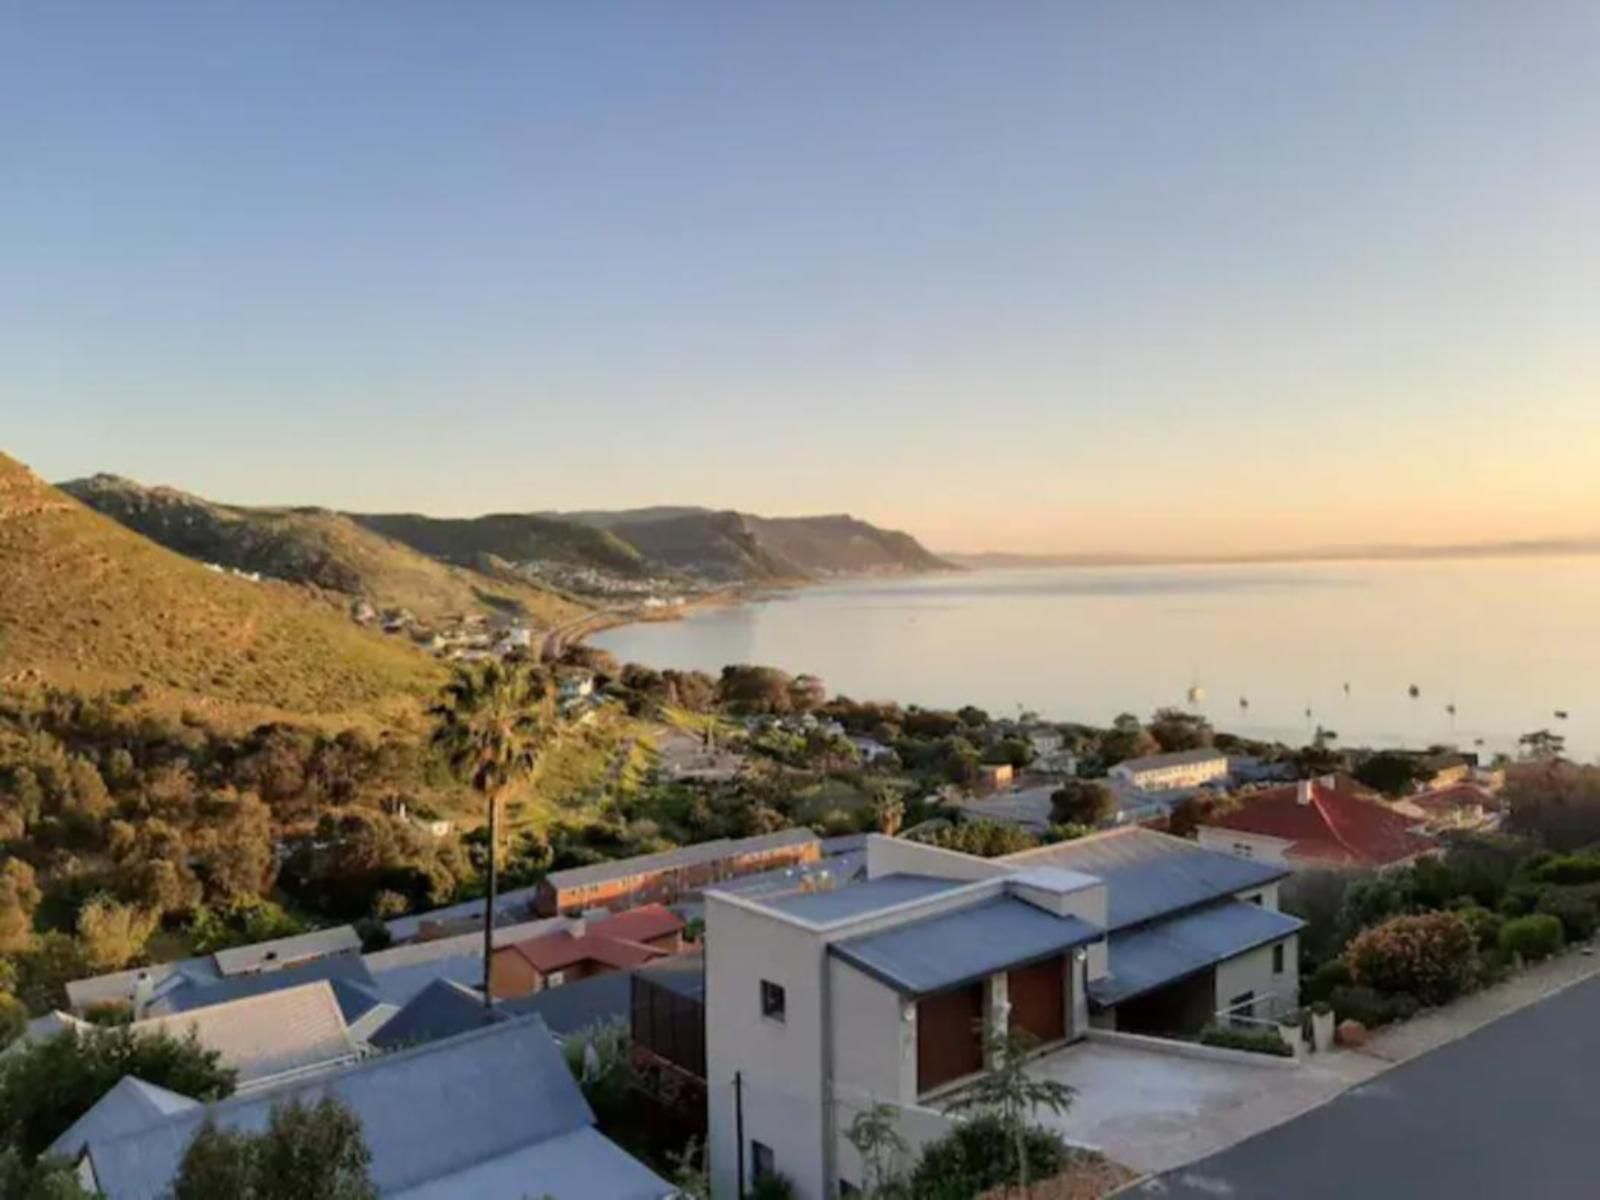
353,986
598,1000
858,899
1149,874
442,1009
1142,960
431,1117
968,943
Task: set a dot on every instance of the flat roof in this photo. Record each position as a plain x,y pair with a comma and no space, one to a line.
1142,960
952,948
683,856
857,899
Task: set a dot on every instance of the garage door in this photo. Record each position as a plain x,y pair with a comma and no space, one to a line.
949,1042
1038,996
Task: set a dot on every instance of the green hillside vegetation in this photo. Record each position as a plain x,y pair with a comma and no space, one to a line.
85,602
322,549
509,537
717,545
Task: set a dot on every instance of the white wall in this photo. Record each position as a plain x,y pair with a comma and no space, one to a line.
781,1064
896,856
1262,849
1252,972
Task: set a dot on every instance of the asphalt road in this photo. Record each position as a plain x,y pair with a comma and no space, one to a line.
1511,1112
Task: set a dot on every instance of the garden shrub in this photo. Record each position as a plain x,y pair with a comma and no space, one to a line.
1485,925
1428,955
1533,937
981,1154
1577,915
1334,973
1567,869
772,1186
1256,1041
1357,1003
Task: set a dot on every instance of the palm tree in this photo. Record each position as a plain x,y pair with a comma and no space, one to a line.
492,724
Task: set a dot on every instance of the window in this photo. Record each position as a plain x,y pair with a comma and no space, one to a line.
1242,1005
1241,850
772,1000
762,1162
555,979
1256,899
1277,959
846,1188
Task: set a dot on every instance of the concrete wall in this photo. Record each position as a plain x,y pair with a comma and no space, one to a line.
874,1061
1252,846
1252,972
895,856
781,1063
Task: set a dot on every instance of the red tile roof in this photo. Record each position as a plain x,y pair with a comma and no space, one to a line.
1341,823
616,941
1456,796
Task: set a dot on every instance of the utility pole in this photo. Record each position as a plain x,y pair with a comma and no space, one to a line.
738,1126
493,897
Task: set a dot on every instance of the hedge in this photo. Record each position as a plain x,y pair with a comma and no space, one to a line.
1431,956
1256,1041
1533,937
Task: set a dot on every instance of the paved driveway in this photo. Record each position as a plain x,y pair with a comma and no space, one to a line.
1509,1112
1153,1109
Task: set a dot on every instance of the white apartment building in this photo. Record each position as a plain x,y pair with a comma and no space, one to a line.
1165,772
823,1003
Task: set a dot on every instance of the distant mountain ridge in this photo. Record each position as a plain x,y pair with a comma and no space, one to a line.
85,601
1387,552
316,547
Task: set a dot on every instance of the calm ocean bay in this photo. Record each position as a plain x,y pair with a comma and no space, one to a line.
1507,641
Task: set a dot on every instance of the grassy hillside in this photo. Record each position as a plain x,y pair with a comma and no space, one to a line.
511,537
323,549
86,602
843,545
717,545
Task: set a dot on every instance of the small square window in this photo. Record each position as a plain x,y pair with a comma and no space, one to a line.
762,1162
1277,959
772,1000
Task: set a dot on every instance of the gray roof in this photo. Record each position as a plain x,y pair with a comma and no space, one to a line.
580,1165
1149,874
859,899
283,951
130,1105
400,985
684,974
266,1036
957,947
353,986
432,1117
119,985
516,903
598,1000
1142,960
442,1009
684,856
1178,758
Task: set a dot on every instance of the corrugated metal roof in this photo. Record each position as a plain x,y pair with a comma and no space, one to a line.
399,985
684,856
957,947
268,1035
581,1165
282,951
598,1000
858,899
684,974
1151,874
1142,960
442,1009
429,1115
511,905
130,1105
119,985
354,987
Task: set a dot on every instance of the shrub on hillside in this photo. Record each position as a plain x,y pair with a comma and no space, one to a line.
1431,956
1577,915
1256,1041
1567,869
1320,984
1485,925
1533,937
980,1154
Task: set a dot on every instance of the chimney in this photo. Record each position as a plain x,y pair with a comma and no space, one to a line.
1302,791
144,990
578,926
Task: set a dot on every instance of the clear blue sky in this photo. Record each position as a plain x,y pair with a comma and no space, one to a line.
1057,275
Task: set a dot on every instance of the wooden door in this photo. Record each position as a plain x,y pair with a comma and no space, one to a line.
1038,996
949,1038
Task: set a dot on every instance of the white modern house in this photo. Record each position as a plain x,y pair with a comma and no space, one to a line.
1164,772
821,1004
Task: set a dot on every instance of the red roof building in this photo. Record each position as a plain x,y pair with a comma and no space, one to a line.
1328,822
617,943
1459,806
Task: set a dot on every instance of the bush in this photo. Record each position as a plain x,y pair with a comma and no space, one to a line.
1335,973
772,1186
1256,1041
1577,915
981,1154
1533,937
1485,926
1364,1004
1431,956
1567,869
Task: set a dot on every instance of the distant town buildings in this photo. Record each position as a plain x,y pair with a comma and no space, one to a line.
1328,822
1165,772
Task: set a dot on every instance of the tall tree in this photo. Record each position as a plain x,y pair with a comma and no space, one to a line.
493,723
307,1152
